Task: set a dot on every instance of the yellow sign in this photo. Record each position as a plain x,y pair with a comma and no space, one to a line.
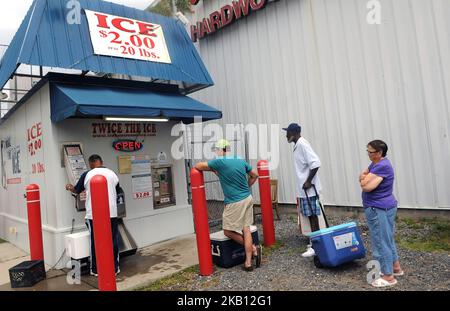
124,164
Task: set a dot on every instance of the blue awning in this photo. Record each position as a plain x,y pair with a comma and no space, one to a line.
103,101
45,38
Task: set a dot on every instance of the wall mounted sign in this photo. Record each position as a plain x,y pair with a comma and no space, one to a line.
14,155
124,164
227,14
14,181
34,138
141,177
35,147
119,129
127,145
113,35
10,163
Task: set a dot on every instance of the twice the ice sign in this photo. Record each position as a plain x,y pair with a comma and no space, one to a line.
127,38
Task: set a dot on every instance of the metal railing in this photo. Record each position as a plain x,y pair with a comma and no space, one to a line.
214,195
19,85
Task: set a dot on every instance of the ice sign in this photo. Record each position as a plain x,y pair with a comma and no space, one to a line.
127,38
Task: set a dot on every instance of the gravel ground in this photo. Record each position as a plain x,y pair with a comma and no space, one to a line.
284,268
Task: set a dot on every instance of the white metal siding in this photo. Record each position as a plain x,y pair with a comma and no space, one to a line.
318,62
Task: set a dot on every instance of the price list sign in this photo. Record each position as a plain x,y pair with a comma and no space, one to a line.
127,38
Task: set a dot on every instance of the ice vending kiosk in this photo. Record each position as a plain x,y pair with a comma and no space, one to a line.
75,164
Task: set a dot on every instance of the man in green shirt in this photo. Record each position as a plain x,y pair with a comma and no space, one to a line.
236,177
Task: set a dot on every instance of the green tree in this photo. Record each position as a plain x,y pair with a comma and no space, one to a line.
164,7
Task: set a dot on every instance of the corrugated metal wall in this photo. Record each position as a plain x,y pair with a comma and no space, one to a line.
320,63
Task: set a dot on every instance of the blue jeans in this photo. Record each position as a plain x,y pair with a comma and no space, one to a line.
381,224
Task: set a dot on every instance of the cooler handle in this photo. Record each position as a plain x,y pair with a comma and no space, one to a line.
320,204
215,253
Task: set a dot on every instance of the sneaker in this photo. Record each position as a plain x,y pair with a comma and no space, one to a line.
118,271
93,274
309,252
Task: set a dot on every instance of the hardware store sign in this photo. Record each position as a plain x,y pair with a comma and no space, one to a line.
226,15
127,38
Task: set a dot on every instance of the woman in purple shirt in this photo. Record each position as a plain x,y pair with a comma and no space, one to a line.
380,207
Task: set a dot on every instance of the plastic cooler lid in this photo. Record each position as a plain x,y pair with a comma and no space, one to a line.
331,229
219,236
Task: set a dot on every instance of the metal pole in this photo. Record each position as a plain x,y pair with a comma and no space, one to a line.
102,234
266,203
246,149
34,222
201,222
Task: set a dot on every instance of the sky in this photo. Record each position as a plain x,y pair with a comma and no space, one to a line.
13,12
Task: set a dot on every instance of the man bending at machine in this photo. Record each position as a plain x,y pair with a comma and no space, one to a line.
97,168
238,211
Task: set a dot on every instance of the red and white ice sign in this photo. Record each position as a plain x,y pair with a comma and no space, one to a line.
128,38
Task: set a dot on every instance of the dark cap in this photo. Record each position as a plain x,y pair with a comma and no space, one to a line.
293,127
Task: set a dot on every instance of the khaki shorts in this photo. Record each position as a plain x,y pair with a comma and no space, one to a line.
238,215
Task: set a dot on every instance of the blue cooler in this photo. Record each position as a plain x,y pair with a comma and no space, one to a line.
337,245
227,253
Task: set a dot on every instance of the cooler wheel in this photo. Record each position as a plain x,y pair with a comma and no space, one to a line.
317,262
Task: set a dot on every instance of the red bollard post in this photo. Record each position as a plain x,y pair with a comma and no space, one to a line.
102,233
34,222
266,203
201,222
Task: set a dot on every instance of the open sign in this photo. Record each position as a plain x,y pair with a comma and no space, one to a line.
127,145
118,36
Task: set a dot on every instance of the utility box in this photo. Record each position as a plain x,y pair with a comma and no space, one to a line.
78,245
